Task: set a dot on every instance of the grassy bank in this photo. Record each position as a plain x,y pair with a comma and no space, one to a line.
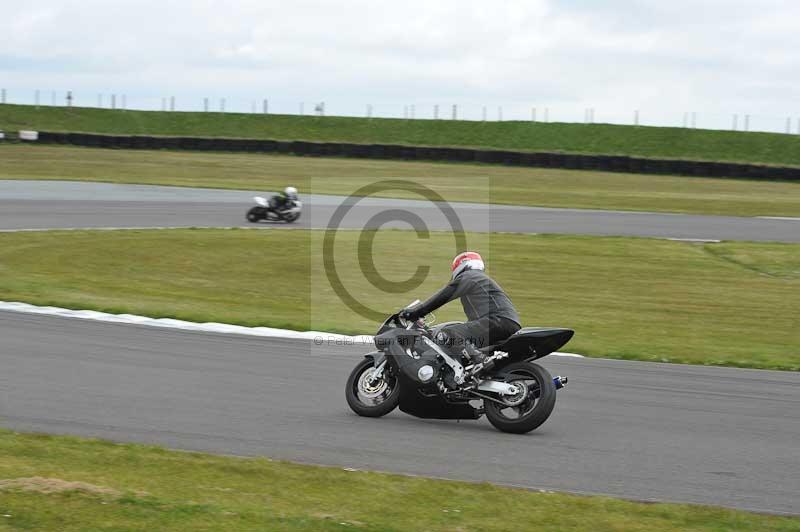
726,304
695,144
66,484
457,182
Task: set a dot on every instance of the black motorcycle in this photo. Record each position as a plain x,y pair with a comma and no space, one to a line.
263,211
412,371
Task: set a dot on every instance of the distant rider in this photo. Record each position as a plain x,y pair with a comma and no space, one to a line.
284,200
492,316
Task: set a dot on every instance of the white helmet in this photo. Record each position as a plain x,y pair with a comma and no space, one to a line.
290,192
469,260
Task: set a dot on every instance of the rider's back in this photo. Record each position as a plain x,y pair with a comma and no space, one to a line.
481,296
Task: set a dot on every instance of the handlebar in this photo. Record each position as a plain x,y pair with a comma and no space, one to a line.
406,324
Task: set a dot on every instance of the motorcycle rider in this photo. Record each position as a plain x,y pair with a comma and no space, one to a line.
284,200
492,316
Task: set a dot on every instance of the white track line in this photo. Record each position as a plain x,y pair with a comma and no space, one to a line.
319,338
132,228
785,218
701,240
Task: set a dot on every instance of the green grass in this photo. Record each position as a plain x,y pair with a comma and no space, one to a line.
663,142
138,487
457,182
731,304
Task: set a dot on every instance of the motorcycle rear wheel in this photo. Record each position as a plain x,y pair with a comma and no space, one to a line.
534,410
371,398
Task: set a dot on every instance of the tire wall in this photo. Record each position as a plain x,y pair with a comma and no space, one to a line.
604,163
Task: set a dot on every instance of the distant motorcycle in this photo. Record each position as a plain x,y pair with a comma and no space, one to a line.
264,211
412,371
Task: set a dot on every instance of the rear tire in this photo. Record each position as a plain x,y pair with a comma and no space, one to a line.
534,410
371,399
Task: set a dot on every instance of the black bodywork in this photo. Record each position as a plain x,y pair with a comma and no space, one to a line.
394,343
259,213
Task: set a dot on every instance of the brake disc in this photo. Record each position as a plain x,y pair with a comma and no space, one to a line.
370,387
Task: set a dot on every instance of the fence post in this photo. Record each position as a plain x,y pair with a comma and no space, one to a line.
747,122
546,115
205,105
222,105
533,114
2,96
413,111
591,116
266,106
369,110
172,103
69,98
483,114
100,100
53,98
735,122
436,112
113,101
405,112
500,113
302,108
798,126
455,112
636,117
788,125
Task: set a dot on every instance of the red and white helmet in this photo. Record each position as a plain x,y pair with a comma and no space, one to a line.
469,260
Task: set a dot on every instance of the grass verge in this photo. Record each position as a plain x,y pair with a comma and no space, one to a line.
65,483
678,143
731,304
457,182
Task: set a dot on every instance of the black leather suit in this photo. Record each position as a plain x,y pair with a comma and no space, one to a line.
492,317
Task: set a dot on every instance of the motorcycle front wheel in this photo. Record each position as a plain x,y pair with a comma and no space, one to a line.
533,409
255,214
368,396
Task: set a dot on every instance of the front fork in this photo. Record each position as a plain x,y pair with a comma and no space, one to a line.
377,373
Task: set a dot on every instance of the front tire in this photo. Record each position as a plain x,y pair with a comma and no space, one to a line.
371,398
534,410
255,215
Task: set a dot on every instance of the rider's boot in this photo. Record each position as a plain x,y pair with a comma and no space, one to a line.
472,354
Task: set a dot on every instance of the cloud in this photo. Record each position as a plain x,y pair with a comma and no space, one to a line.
711,56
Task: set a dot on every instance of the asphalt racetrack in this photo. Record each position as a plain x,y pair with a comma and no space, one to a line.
49,205
630,429
640,430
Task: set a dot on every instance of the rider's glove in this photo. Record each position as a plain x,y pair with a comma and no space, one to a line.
408,314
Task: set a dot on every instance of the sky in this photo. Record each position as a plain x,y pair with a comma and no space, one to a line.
666,59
